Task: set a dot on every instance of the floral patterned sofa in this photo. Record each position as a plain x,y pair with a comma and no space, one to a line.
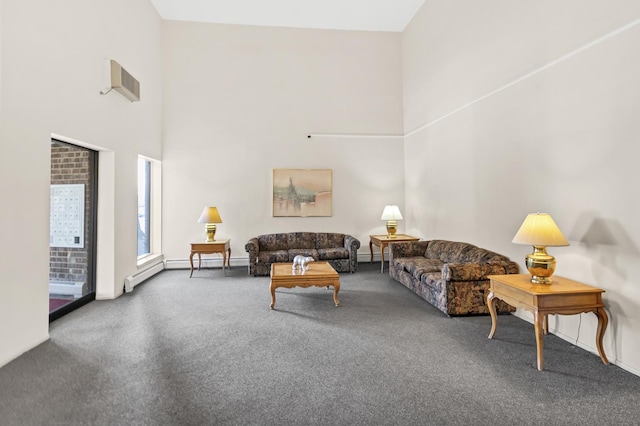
340,250
450,275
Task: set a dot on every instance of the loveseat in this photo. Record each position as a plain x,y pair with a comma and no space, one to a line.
450,275
340,250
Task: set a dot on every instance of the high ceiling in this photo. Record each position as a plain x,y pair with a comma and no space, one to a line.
360,15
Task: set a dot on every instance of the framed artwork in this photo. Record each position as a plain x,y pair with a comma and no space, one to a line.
302,192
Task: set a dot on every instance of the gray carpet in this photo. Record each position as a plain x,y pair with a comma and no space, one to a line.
208,351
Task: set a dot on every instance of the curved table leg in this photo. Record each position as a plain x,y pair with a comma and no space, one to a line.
538,326
199,261
371,250
272,289
191,263
603,320
491,304
224,262
336,289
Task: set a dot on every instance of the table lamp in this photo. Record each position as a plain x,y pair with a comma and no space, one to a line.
391,214
540,231
210,216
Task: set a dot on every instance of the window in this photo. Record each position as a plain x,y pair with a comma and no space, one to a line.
149,210
144,207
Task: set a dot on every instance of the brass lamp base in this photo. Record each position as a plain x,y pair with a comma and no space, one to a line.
392,227
541,265
211,232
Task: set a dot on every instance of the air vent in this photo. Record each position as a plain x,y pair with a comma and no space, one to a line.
123,82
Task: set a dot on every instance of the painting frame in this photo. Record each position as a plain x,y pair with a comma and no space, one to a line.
302,193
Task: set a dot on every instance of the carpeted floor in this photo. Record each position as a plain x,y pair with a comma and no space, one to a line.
208,351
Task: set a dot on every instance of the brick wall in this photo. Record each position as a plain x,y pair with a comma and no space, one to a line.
71,165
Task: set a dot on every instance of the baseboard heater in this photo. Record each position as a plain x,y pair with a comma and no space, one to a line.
67,288
133,280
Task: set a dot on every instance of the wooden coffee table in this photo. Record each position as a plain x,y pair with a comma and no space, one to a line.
319,274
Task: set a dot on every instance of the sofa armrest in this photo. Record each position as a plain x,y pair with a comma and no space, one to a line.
252,247
477,271
352,244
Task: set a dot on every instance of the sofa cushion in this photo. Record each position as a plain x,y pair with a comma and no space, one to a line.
418,265
330,240
272,242
303,252
475,271
487,256
449,251
301,240
333,253
434,281
273,256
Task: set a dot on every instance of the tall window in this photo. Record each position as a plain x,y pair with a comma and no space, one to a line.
144,207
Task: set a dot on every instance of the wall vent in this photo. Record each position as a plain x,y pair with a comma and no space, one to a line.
122,81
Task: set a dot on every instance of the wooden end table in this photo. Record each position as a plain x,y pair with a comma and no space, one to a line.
382,241
221,246
563,296
319,274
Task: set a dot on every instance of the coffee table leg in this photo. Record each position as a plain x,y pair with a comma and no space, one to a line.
336,289
272,289
191,263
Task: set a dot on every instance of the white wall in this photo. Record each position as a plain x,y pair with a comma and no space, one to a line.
52,57
240,101
517,107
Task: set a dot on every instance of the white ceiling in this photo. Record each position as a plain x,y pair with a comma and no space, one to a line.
360,15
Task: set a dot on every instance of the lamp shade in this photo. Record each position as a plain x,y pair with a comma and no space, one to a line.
210,215
539,229
391,213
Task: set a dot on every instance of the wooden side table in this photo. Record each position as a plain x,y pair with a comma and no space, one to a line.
563,296
222,246
383,240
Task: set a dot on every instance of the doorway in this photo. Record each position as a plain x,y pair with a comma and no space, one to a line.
73,224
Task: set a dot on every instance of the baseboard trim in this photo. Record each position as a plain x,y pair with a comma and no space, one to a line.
216,262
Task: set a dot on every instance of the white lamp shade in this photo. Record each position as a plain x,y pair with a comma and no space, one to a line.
391,213
539,229
210,215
